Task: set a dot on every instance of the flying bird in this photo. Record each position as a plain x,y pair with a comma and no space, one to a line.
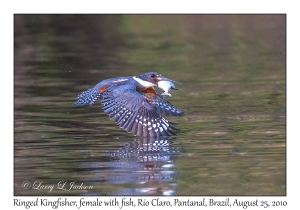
134,104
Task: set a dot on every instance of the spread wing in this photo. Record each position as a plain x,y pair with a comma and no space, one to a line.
91,95
139,112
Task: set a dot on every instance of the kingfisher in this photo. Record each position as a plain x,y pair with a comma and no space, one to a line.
134,104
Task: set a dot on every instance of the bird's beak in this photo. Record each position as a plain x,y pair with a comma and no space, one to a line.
162,78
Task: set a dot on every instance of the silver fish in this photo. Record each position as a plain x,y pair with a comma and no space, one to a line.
166,86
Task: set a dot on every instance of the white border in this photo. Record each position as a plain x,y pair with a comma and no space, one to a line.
187,6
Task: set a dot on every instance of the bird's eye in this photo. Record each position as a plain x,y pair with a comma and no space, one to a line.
153,75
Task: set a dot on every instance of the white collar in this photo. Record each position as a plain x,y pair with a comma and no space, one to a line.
143,82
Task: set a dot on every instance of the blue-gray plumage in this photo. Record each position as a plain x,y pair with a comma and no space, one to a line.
133,104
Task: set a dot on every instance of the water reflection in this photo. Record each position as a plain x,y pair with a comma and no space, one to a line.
148,164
